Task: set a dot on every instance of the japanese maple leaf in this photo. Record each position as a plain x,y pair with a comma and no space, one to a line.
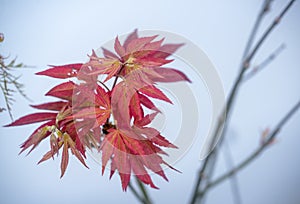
62,126
112,120
137,53
130,152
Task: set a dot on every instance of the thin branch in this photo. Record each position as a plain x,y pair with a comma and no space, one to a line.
135,193
258,151
267,32
7,101
265,8
144,191
232,95
104,85
264,63
234,181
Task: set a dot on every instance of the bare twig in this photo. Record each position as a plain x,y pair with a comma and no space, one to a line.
265,8
144,191
135,193
234,181
231,98
264,63
104,85
258,151
8,82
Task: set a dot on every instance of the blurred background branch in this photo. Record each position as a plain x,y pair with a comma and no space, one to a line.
9,83
206,171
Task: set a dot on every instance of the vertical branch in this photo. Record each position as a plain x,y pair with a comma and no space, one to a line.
143,190
135,193
145,199
234,181
265,8
258,151
231,98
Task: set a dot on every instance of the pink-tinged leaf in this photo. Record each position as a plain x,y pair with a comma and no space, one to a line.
121,158
132,36
146,120
135,107
153,46
54,144
63,71
93,95
109,54
166,50
85,76
33,118
139,77
119,48
169,75
74,150
140,171
161,141
113,168
89,112
103,96
107,149
147,102
145,150
37,136
81,148
154,136
148,49
100,115
120,100
125,179
154,92
64,158
46,156
110,67
55,106
63,91
152,61
138,44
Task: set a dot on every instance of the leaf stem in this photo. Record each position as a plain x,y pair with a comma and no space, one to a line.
136,194
143,190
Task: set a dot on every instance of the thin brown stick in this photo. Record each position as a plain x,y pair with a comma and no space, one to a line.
231,98
144,191
136,194
265,8
258,151
264,63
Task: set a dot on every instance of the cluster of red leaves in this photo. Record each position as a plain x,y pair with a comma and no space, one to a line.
112,120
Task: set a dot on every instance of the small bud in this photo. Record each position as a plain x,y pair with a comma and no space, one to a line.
1,37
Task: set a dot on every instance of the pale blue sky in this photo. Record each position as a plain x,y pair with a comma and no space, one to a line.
59,32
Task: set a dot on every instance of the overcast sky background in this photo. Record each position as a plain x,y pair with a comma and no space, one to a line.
60,32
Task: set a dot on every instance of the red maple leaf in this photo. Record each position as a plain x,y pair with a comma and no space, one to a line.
112,119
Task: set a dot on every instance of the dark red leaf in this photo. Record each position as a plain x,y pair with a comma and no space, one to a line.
135,107
147,102
33,118
63,91
63,71
55,106
119,48
37,136
169,75
108,54
132,36
154,92
166,50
